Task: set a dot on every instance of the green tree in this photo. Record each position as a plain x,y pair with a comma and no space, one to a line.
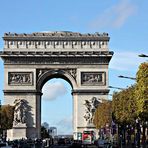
124,109
141,92
124,106
103,114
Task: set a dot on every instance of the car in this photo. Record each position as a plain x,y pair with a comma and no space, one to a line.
101,143
67,141
4,145
61,141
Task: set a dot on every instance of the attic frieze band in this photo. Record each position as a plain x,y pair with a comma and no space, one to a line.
55,40
56,60
55,43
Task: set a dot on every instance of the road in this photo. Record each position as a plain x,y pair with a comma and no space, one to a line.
59,146
68,146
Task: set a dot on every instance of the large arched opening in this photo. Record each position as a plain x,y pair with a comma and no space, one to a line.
47,80
56,107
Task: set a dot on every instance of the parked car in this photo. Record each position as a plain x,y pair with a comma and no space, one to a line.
101,143
61,141
4,145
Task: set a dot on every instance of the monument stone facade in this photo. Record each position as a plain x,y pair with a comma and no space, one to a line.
30,60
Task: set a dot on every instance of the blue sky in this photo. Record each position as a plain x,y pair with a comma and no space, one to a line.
126,21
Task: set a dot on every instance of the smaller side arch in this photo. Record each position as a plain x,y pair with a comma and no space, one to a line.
43,78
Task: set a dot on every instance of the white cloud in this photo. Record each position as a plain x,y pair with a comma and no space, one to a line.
126,61
115,16
52,91
64,126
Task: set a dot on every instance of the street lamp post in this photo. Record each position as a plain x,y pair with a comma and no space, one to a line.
0,122
127,77
116,87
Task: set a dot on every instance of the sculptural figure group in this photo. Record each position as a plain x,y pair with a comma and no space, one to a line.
90,109
20,112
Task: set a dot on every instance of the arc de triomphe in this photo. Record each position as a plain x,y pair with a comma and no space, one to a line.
30,60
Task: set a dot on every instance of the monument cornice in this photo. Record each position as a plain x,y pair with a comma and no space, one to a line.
69,57
10,92
60,36
56,38
91,91
56,53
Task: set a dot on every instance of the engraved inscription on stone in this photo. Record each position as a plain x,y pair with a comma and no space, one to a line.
20,78
93,78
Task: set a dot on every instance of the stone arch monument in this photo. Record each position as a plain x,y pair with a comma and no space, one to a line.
30,60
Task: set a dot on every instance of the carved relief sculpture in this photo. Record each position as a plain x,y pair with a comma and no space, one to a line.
93,78
40,72
72,72
90,109
20,78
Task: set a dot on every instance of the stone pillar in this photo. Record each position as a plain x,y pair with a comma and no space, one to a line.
38,115
84,105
